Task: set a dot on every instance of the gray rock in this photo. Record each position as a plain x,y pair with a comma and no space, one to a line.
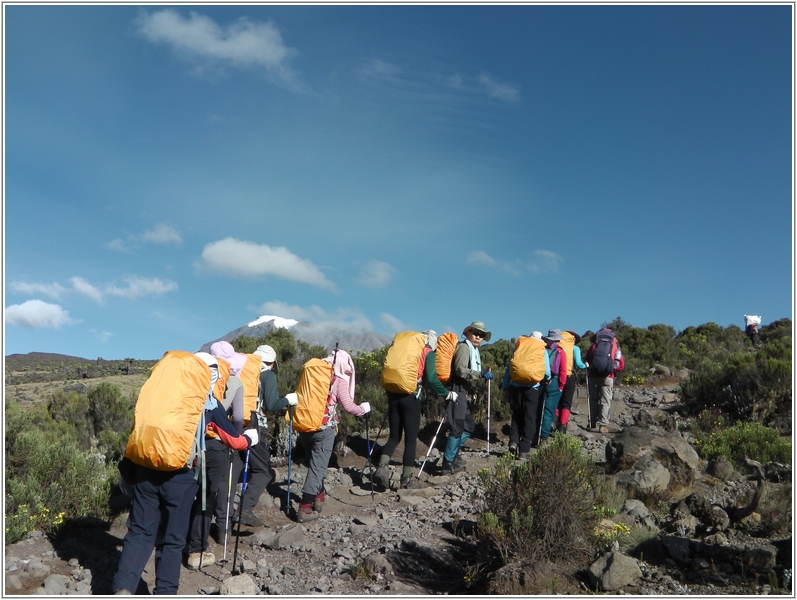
720,467
13,582
57,585
369,521
284,538
636,508
427,492
411,500
614,571
377,563
37,568
239,585
677,547
646,476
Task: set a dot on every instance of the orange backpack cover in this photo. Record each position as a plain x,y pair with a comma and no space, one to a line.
527,365
250,378
313,392
400,370
446,344
168,411
567,342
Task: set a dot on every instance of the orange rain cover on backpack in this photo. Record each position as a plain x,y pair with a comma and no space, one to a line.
224,376
168,411
313,392
446,344
400,371
528,362
250,378
567,342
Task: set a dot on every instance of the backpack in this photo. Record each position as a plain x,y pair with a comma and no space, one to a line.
567,342
221,384
446,344
250,378
168,426
527,365
603,357
313,390
402,363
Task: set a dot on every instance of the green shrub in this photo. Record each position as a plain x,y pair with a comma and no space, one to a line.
547,508
745,440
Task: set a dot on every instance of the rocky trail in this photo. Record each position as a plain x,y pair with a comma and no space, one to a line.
414,542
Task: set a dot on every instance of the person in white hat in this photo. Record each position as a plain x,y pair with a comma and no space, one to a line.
466,369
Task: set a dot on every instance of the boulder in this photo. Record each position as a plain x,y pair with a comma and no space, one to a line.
657,369
614,571
668,448
377,563
677,547
646,476
720,467
239,585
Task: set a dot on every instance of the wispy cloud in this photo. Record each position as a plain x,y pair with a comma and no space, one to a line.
83,287
51,290
141,286
376,68
543,261
393,323
343,317
161,234
101,336
37,314
247,259
499,91
243,44
376,274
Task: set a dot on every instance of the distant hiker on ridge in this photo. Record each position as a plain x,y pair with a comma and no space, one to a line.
751,325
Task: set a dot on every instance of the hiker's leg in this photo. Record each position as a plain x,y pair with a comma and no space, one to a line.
412,427
259,471
517,424
607,389
528,415
566,401
394,422
221,497
551,402
321,443
594,399
177,493
142,524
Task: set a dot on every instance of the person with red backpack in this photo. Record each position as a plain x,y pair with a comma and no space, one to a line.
552,391
603,359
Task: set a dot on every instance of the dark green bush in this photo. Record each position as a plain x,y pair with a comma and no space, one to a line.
745,440
546,509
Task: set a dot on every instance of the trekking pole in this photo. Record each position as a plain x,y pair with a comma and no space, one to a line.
370,464
227,514
429,451
489,381
252,419
290,455
589,401
378,433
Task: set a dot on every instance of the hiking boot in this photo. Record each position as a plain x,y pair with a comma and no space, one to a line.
318,503
449,468
200,559
460,460
522,456
249,519
306,513
562,428
217,534
544,441
603,429
382,476
513,450
411,483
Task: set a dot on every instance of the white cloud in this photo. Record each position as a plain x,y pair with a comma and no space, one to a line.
380,68
244,44
51,290
394,324
141,286
545,261
81,286
247,259
479,257
376,274
37,314
117,245
499,91
162,234
316,320
102,336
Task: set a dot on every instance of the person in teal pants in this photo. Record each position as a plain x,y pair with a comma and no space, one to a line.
553,391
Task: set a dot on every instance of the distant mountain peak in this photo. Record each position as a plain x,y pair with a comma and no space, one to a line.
276,321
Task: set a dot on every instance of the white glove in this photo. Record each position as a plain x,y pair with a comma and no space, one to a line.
293,398
252,436
366,407
451,396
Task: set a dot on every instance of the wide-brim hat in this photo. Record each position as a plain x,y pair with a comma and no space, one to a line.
575,335
478,326
266,353
554,335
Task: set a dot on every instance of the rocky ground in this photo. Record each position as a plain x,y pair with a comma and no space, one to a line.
418,541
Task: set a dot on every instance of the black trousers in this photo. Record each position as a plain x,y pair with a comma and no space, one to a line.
216,473
525,424
404,416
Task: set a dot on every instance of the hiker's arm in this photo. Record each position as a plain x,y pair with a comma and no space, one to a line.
269,398
430,372
460,364
218,422
505,381
237,407
577,358
341,390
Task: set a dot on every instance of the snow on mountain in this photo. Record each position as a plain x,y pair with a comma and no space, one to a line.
276,321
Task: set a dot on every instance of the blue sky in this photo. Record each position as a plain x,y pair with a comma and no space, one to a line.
173,172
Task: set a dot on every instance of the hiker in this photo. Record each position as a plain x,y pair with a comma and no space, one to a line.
751,324
223,436
603,359
569,344
318,444
466,370
159,515
553,389
524,400
404,417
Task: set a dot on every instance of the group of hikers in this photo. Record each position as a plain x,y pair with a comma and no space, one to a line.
200,427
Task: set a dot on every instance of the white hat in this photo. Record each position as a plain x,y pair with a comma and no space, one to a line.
537,335
266,353
206,358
